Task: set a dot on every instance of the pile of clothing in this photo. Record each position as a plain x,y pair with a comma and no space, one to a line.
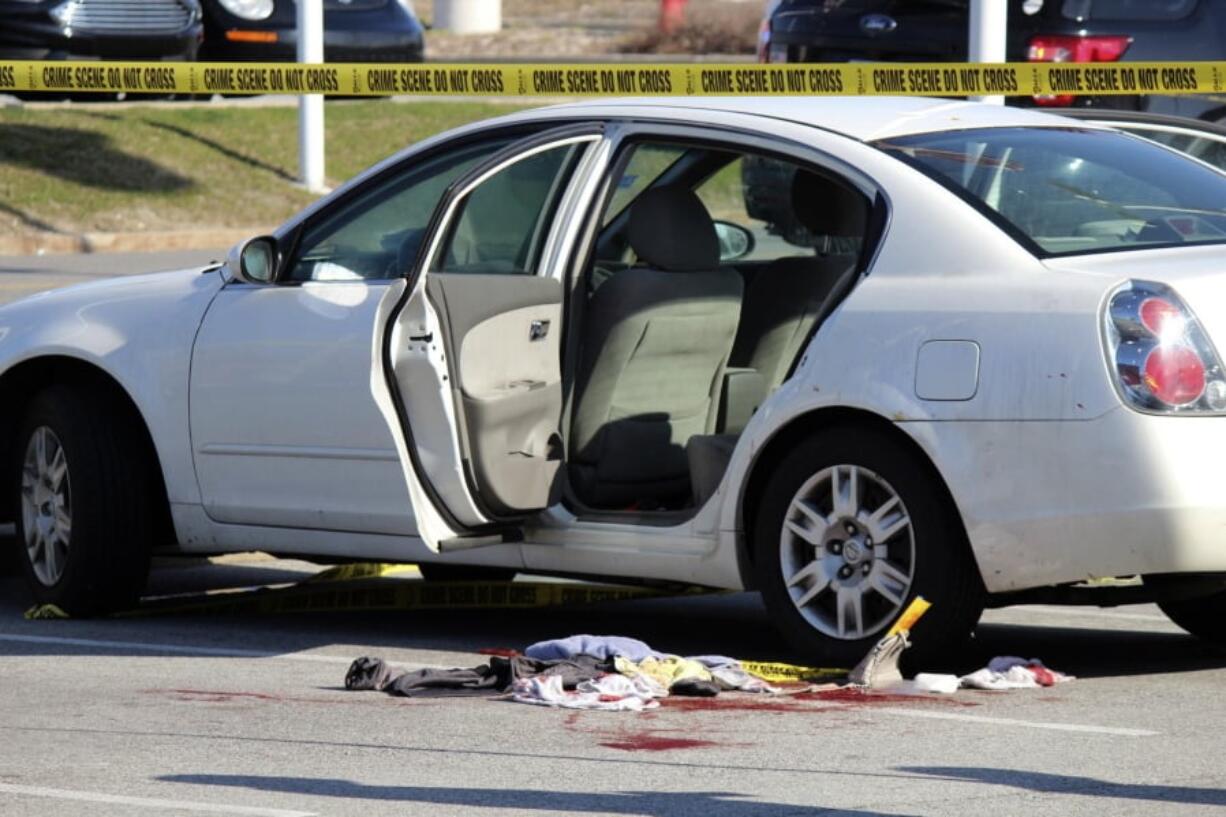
625,674
579,672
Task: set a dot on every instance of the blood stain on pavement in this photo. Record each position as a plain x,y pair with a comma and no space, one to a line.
647,742
858,697
803,701
721,704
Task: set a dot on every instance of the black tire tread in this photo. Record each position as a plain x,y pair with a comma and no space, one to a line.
113,512
947,577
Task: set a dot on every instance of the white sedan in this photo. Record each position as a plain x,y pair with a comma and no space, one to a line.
843,351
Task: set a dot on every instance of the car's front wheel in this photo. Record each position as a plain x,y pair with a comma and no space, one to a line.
852,526
84,502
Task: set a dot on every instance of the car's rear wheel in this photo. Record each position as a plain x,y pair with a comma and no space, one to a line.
83,495
853,526
1203,617
465,573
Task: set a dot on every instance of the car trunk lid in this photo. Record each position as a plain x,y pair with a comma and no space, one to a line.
1196,273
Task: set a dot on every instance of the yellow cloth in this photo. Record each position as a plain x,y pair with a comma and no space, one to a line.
664,671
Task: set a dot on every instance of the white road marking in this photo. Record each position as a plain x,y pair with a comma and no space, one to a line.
1090,613
147,802
183,649
1056,726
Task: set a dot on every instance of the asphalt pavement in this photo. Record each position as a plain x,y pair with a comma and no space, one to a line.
247,714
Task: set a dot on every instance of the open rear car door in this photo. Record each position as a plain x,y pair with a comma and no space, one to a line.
472,351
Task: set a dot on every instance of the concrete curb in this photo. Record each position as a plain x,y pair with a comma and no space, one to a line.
44,243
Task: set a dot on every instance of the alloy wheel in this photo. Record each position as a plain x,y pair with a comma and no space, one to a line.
46,505
847,552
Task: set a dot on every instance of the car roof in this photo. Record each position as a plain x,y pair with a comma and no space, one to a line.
1140,119
862,118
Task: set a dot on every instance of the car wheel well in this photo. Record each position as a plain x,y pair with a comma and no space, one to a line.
786,439
21,383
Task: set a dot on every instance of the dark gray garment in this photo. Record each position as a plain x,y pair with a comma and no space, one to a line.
496,676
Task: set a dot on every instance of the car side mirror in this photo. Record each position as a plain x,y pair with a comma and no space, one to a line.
735,241
254,261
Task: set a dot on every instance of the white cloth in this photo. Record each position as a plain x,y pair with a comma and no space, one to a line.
1012,672
926,683
611,692
1012,678
734,677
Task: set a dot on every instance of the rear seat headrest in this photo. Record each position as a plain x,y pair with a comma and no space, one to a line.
671,230
826,207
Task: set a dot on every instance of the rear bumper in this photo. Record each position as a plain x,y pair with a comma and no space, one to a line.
1056,502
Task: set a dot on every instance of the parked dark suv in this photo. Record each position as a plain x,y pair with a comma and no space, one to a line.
114,29
1039,30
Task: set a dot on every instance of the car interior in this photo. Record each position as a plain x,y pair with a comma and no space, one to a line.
709,273
703,273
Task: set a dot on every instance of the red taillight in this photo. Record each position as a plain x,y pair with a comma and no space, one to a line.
1072,48
1158,314
1162,360
1175,375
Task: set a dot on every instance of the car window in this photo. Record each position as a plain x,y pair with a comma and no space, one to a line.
1064,191
501,225
755,192
1128,9
727,196
646,165
377,235
748,190
1203,147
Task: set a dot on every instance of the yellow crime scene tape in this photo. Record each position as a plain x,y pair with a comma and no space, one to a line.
594,80
776,673
364,587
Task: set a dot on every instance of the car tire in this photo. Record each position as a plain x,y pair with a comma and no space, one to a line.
1202,617
83,500
10,564
465,573
817,563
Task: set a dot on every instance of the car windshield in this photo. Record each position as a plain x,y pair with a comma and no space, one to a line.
1127,9
1067,191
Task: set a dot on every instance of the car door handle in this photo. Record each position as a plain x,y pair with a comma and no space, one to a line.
538,330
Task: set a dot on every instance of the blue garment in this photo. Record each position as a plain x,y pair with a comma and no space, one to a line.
608,647
605,647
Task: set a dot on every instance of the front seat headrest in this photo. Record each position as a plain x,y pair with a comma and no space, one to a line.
826,207
671,230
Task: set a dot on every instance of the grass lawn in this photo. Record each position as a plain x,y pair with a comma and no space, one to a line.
87,167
